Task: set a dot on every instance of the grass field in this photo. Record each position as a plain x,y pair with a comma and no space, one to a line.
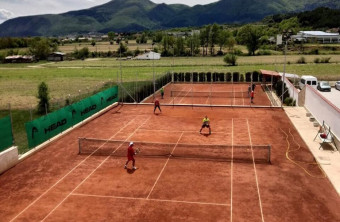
19,82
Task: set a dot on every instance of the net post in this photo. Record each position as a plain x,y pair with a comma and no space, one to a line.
269,153
11,118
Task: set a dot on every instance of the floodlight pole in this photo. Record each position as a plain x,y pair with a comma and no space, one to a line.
153,69
284,72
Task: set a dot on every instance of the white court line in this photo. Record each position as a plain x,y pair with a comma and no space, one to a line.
164,167
180,131
231,173
150,199
257,182
92,172
65,175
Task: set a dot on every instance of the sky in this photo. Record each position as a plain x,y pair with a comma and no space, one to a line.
15,8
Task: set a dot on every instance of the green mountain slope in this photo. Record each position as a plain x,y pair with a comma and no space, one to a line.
137,15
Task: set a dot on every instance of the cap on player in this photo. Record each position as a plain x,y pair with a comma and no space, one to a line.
131,143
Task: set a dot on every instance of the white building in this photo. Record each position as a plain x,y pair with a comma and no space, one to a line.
149,56
316,36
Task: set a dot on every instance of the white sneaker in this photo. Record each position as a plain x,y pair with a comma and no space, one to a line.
134,168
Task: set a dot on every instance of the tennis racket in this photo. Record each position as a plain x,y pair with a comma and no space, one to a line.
137,150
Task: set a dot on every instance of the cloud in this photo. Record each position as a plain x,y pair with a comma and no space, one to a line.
5,15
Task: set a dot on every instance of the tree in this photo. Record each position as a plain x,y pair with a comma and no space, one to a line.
111,36
231,42
204,38
230,59
43,98
213,37
143,38
82,53
40,48
179,47
291,24
93,43
250,35
193,43
222,38
122,48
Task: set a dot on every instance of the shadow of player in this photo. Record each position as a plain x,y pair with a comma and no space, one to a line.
130,171
206,134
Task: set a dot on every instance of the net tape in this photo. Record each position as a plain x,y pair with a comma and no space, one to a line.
219,152
217,94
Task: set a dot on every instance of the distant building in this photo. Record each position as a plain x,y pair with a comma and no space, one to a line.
19,59
316,36
149,56
56,56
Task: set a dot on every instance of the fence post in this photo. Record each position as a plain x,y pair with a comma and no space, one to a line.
31,113
10,114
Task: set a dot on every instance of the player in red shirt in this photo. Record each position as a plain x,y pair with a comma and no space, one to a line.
252,97
157,105
131,152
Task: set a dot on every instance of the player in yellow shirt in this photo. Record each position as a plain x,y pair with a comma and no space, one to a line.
206,123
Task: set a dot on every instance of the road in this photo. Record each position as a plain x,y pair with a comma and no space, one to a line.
333,96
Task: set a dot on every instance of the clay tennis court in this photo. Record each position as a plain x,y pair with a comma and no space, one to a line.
211,94
58,184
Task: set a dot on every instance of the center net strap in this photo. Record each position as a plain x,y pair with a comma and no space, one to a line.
218,94
219,152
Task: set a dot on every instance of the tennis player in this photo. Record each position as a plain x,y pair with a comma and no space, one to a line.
206,123
157,105
131,152
162,92
252,97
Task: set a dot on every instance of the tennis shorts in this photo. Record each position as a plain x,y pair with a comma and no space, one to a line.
205,125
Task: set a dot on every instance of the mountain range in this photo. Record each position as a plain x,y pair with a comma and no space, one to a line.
139,15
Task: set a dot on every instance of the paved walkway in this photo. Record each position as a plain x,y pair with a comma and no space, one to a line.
328,159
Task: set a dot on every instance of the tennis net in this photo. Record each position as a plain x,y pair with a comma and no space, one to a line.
218,152
217,94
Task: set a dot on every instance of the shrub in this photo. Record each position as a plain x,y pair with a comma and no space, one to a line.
44,104
220,53
230,59
256,76
248,77
241,78
264,52
301,60
289,101
228,77
317,60
237,51
325,60
82,53
314,52
236,76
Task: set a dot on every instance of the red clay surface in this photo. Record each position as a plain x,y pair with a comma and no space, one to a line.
185,97
57,184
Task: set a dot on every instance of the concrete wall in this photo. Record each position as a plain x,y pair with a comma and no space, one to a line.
8,158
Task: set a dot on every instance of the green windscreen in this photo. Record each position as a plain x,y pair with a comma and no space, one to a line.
46,127
6,137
